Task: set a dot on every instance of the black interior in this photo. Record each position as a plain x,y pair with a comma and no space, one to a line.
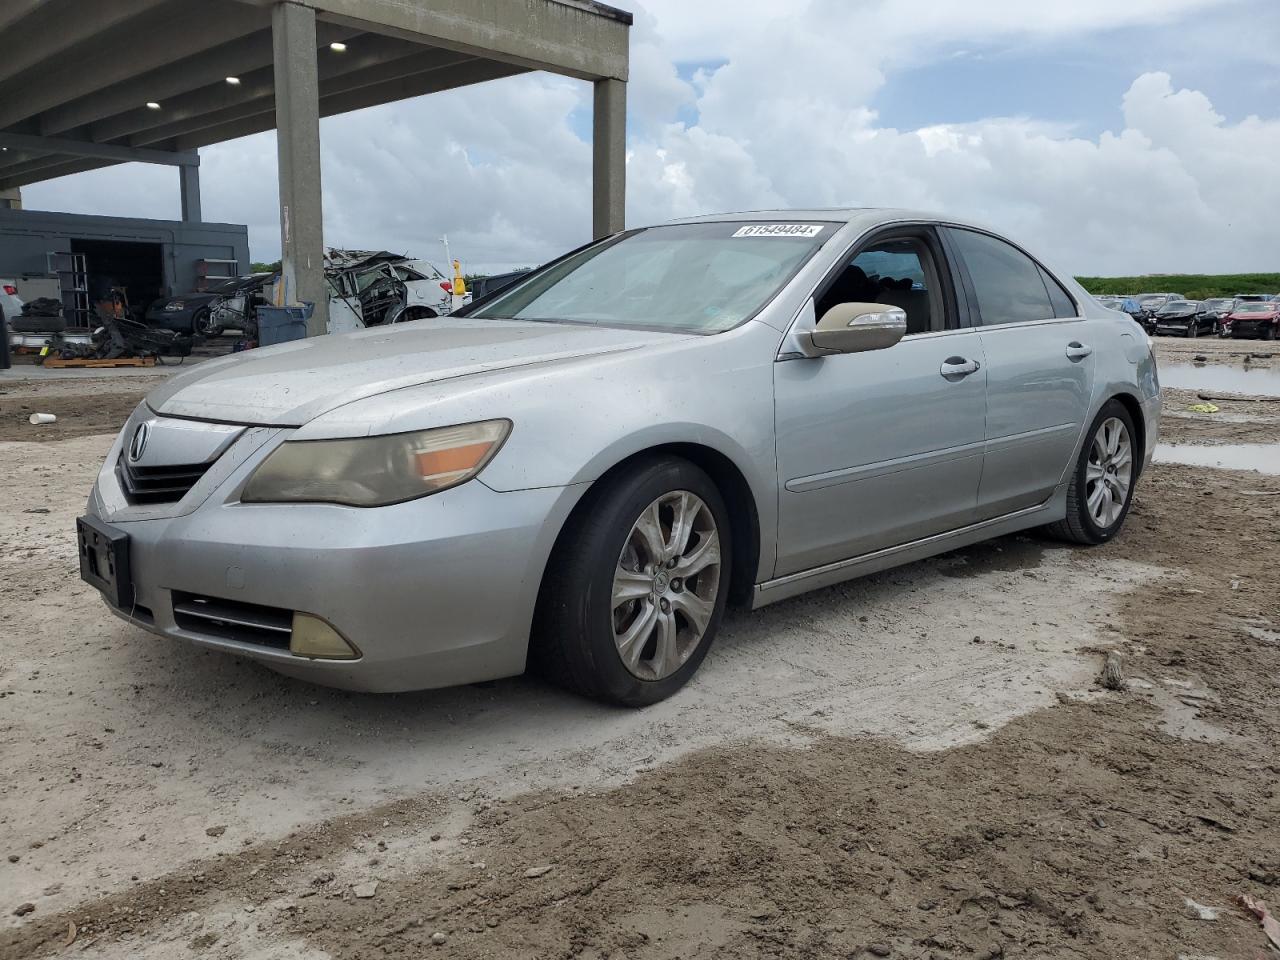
138,267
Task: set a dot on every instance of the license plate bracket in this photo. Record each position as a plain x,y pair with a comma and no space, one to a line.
104,560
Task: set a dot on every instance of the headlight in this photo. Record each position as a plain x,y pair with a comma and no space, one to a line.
375,471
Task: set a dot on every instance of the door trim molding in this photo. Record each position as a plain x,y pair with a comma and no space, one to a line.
881,468
781,588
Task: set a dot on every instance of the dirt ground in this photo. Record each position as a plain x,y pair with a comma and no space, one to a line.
920,764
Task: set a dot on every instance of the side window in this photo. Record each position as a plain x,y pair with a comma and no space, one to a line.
1007,283
1062,304
899,273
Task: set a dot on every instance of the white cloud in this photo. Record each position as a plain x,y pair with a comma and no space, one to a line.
785,121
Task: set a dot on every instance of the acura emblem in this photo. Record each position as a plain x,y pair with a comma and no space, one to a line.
139,441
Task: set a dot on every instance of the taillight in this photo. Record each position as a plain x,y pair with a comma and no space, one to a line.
10,289
446,286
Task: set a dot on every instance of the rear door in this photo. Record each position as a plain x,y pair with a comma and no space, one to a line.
1039,370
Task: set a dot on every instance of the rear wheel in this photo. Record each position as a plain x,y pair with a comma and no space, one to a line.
415,313
1101,487
636,588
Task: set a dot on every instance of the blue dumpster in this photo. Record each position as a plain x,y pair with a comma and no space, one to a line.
282,324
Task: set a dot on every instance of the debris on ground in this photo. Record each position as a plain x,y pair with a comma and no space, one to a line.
1270,926
1198,911
534,872
215,831
365,891
1113,673
24,908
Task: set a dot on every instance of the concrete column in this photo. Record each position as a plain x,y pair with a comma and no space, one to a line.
609,149
293,31
189,186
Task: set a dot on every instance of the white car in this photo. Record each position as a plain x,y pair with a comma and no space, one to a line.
10,302
373,289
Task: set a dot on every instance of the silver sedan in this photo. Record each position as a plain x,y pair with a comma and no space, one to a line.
583,469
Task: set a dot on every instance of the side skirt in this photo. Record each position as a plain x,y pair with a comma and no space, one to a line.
783,588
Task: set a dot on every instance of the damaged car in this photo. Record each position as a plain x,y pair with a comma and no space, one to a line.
227,304
374,288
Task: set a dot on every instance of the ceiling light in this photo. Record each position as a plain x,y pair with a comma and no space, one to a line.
152,105
337,47
234,81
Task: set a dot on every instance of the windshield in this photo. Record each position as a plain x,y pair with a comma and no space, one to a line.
1254,308
699,277
1173,306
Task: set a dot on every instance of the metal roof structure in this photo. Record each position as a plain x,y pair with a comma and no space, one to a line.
85,85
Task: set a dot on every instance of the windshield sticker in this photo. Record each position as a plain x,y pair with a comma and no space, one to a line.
780,230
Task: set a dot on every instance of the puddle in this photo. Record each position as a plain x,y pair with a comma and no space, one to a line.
1259,457
1261,381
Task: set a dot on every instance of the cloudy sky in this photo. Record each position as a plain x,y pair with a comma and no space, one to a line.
1112,136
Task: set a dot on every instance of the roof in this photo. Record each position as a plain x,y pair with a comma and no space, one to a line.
77,78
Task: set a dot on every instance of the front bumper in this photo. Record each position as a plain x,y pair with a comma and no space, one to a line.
1252,329
433,592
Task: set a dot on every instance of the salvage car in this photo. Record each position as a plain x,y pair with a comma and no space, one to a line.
582,471
1184,318
1253,319
1219,307
207,313
373,288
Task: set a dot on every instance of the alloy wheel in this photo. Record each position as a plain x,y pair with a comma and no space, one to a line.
666,584
1109,472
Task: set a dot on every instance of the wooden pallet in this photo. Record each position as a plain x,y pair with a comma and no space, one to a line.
58,362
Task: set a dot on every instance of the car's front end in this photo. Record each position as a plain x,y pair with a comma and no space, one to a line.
1253,320
1175,321
388,597
370,511
178,313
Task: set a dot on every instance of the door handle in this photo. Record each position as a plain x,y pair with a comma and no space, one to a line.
1077,350
957,368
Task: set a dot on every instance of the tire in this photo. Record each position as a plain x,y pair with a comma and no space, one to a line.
581,628
1268,333
202,325
416,313
1082,524
1193,330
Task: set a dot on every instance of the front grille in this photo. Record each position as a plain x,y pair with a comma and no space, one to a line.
166,484
233,620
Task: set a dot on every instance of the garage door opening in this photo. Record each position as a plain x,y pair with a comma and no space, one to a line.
136,267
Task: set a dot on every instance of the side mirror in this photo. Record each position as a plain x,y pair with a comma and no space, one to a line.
858,327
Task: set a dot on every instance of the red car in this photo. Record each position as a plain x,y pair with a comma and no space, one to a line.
1255,320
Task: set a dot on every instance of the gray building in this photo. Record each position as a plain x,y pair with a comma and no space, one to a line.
149,258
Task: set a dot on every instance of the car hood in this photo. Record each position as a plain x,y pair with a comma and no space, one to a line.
1177,314
290,384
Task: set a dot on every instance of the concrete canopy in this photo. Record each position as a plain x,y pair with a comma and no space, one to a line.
89,85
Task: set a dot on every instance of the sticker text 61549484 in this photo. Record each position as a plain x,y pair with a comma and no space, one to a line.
779,230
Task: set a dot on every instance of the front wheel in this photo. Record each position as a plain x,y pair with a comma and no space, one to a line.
1268,333
1101,487
636,587
205,325
1193,330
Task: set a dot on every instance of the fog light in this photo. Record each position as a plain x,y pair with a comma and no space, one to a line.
315,639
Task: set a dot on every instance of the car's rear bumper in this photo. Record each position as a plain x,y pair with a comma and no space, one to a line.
433,592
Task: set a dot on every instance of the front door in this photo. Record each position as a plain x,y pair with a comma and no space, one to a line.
1039,371
881,448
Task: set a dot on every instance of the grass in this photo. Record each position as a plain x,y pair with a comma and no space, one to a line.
1193,286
